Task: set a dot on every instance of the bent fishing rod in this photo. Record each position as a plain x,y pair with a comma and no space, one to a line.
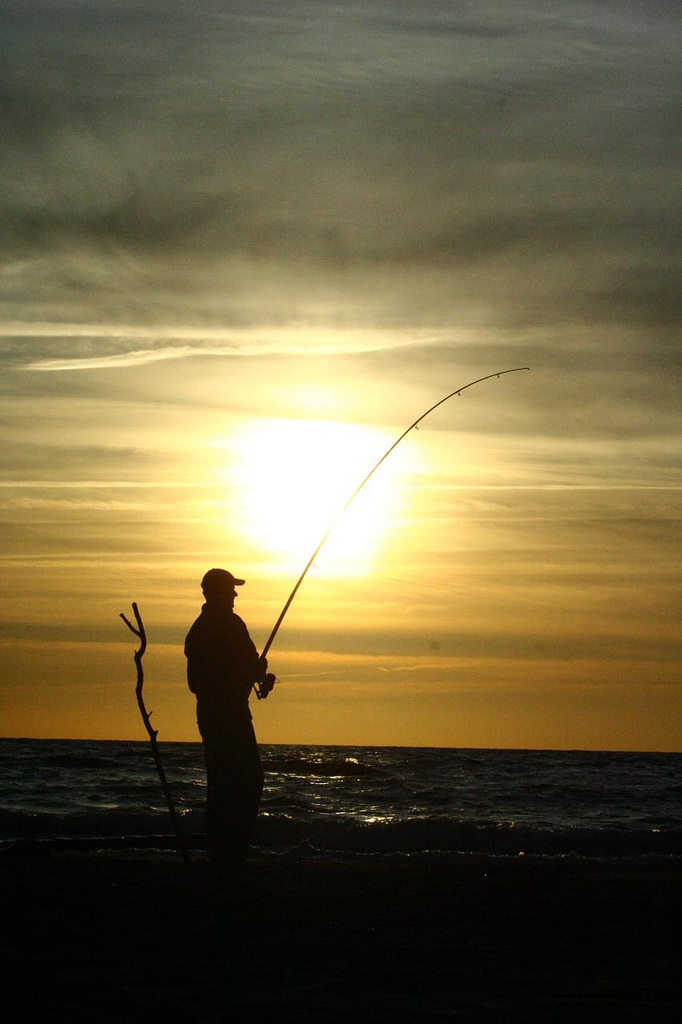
264,687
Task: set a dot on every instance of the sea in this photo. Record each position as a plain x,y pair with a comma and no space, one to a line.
352,802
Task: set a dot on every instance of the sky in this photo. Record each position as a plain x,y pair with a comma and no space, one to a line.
244,246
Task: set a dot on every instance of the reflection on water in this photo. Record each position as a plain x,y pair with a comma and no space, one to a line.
360,799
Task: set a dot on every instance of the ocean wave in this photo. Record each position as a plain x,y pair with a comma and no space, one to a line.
442,834
334,768
356,801
283,825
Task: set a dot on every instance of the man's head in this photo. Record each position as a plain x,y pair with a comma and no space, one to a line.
219,585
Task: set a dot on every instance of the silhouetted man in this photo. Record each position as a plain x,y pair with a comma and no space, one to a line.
222,665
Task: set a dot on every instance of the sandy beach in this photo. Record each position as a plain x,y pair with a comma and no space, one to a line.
135,936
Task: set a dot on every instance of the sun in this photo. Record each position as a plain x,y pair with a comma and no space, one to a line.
292,477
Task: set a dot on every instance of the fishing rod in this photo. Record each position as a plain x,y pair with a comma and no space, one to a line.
264,687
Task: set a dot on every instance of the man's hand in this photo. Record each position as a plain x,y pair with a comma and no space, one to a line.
264,686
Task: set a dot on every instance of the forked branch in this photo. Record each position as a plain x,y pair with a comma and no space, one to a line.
146,716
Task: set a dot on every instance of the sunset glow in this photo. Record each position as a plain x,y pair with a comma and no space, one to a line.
241,252
293,478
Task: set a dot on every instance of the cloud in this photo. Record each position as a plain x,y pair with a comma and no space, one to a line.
495,167
84,343
426,188
137,358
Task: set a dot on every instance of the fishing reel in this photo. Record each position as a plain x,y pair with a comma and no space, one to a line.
264,686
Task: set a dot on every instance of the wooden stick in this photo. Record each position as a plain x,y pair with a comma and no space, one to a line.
146,716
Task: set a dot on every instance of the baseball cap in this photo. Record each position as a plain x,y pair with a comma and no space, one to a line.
219,579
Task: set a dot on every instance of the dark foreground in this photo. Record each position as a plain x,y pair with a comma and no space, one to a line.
137,937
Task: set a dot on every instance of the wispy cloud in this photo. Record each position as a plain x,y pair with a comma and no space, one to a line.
112,362
171,343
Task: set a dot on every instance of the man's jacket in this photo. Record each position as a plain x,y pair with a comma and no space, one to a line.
222,661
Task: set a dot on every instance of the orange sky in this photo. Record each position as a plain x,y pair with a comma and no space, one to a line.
242,251
487,590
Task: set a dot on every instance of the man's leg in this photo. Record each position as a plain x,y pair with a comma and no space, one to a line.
245,790
218,787
234,778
